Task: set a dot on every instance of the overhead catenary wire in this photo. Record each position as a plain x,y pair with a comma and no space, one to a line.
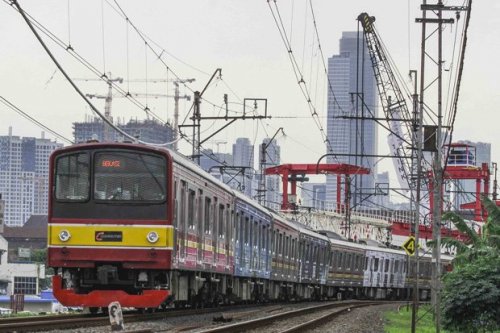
16,109
84,62
297,71
75,87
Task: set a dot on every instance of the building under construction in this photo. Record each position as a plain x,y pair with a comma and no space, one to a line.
145,130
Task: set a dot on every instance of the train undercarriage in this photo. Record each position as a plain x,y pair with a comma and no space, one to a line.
150,289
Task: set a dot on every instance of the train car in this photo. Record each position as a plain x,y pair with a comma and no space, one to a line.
252,267
314,254
139,225
285,260
146,227
202,261
345,275
110,232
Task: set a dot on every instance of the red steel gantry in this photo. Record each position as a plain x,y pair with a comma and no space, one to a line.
292,170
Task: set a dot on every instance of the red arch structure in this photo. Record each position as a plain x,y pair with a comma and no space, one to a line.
479,174
289,173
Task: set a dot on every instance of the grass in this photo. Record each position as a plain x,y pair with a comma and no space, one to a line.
400,322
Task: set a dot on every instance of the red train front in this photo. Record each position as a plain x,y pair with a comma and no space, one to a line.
110,225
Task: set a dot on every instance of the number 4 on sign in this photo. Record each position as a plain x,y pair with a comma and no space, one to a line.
409,246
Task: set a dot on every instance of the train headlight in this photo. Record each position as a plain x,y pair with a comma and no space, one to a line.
152,237
64,235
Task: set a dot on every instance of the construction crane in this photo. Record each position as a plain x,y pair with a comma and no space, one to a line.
397,115
108,99
176,97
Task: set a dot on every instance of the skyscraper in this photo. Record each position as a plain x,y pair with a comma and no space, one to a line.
272,196
24,175
243,156
353,101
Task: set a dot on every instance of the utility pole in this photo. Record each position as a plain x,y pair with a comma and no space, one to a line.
437,171
418,123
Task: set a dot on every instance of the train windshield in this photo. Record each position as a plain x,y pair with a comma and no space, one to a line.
125,176
72,177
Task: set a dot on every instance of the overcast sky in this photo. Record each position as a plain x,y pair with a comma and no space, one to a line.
241,37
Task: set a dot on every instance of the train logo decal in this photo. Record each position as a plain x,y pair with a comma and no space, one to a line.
108,236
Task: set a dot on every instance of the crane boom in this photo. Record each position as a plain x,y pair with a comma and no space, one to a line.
395,108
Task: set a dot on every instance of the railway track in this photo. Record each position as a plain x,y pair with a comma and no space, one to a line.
46,323
227,316
279,320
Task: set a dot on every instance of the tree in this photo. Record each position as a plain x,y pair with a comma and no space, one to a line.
471,293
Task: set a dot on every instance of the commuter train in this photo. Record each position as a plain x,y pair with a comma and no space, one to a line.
146,227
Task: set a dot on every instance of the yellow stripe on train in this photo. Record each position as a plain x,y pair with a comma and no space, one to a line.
110,235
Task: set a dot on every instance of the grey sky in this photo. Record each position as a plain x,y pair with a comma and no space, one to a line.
240,37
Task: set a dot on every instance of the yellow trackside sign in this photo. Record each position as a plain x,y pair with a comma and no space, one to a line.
409,246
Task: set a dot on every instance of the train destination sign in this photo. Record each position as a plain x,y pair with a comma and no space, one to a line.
409,246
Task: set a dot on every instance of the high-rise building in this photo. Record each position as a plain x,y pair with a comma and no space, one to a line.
313,195
145,130
243,156
272,197
24,175
465,191
350,105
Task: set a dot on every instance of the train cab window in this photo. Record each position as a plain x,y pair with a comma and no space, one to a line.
191,199
221,221
123,176
206,219
72,177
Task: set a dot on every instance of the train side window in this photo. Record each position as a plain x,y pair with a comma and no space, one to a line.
375,265
386,267
247,223
229,223
214,221
396,266
256,237
287,247
221,221
339,261
208,206
200,211
367,261
182,208
280,250
237,227
191,199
